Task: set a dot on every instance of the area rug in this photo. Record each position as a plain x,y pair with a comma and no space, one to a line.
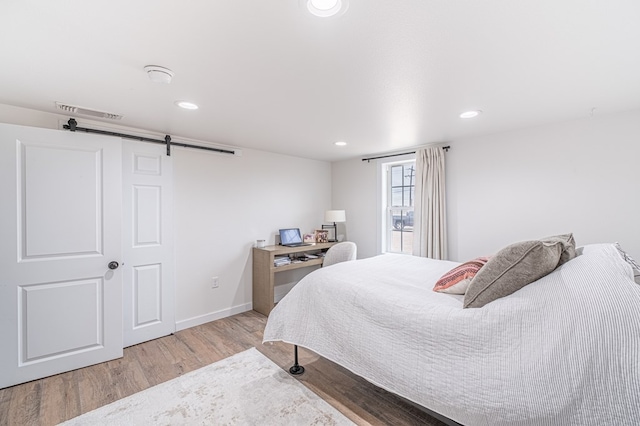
244,389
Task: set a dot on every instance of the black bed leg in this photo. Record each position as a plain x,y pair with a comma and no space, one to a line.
296,369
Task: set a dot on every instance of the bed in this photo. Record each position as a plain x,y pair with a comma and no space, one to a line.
562,350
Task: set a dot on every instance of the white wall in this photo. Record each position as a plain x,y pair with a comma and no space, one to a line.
222,204
580,176
354,189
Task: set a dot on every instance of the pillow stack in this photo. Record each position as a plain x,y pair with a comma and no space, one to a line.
512,268
457,280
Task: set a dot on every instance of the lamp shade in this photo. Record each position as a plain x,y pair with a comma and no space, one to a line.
335,216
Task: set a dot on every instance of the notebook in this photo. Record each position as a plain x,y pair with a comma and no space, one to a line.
291,237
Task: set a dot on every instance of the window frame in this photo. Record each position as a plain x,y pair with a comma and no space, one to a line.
385,209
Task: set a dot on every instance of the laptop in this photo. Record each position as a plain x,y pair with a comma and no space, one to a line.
291,237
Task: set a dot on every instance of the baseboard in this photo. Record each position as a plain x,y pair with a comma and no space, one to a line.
279,292
202,319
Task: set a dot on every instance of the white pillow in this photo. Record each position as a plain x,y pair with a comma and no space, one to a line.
634,265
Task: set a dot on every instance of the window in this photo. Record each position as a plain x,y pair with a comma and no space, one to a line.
398,201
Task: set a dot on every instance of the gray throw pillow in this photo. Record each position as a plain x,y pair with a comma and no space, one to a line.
569,251
512,268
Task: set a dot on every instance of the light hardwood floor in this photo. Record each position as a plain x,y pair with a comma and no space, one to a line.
55,399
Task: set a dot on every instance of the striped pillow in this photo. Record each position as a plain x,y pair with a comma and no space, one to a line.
634,265
457,280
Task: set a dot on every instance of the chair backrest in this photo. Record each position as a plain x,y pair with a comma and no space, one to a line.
340,252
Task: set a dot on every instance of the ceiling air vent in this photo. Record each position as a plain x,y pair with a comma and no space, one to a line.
86,111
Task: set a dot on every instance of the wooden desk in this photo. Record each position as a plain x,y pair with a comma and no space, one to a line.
264,271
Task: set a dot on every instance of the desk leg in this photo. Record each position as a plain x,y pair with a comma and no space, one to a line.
296,369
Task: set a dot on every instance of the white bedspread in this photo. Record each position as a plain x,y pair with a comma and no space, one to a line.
562,351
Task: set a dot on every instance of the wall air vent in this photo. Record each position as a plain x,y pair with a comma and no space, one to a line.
87,112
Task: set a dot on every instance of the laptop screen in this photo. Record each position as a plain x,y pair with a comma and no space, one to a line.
290,236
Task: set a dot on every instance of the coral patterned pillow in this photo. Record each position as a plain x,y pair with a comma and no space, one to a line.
457,280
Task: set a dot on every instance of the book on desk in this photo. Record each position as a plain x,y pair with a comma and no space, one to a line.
281,261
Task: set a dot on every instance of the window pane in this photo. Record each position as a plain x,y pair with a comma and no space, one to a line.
401,232
396,197
401,219
409,175
401,242
408,197
396,175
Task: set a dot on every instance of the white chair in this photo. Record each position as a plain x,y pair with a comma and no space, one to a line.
340,252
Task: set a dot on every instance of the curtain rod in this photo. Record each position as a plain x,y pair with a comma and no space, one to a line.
368,160
72,125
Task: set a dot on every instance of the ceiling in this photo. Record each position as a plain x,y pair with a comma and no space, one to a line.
384,76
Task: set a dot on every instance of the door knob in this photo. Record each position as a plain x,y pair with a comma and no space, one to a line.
113,265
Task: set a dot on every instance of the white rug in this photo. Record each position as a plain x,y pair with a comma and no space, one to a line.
244,389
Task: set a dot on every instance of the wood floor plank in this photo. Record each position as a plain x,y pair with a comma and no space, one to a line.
24,407
96,387
59,399
203,352
52,400
128,376
5,400
154,364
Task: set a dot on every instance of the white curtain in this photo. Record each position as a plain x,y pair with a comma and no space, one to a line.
429,224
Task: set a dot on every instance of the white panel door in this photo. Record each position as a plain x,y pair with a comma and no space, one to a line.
147,242
60,227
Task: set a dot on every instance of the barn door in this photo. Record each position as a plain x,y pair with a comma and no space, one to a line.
60,250
147,242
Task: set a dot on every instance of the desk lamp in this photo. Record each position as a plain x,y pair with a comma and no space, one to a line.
334,216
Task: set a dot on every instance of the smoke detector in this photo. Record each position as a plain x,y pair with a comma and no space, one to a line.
159,74
73,109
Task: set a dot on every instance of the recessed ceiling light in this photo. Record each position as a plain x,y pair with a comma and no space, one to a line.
470,114
326,8
340,143
324,4
159,74
186,105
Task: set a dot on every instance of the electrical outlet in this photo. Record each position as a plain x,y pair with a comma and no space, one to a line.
215,282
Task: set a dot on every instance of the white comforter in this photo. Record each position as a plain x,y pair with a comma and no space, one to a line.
563,350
